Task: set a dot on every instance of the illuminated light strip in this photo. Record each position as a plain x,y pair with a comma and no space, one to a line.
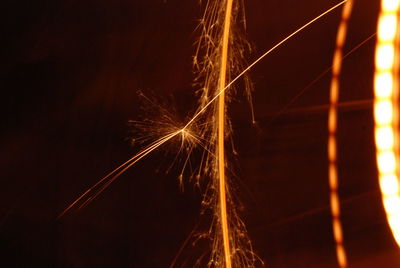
386,111
332,140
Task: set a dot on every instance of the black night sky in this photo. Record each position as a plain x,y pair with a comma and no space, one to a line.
71,76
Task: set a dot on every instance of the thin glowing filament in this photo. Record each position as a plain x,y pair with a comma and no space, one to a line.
117,172
221,135
259,59
167,137
332,140
386,111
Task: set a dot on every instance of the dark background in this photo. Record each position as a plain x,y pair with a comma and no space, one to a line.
70,75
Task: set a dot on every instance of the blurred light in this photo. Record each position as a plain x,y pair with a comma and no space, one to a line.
384,85
392,204
383,112
390,6
385,56
384,138
332,136
387,27
389,185
386,162
385,108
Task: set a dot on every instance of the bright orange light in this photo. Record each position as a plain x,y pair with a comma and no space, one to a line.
332,141
390,6
230,236
383,85
387,27
384,138
384,56
385,111
389,184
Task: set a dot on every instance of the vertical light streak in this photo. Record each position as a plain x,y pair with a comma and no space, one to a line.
247,69
219,56
332,132
216,67
386,111
221,135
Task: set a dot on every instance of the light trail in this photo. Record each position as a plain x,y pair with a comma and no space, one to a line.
169,136
332,135
237,249
219,56
386,111
322,74
221,135
259,59
103,183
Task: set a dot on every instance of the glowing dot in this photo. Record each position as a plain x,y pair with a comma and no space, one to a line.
387,27
389,184
337,230
390,5
385,56
335,206
386,162
384,138
383,85
383,112
392,204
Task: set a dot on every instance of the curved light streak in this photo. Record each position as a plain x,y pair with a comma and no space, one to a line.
386,111
332,138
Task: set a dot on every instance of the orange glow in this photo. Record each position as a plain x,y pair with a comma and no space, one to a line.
383,85
221,136
386,110
390,6
389,184
332,130
228,247
384,56
384,138
387,27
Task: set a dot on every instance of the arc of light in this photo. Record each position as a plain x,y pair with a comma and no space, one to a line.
332,136
386,111
220,125
167,137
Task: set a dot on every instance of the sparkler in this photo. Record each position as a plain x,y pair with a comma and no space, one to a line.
332,129
386,111
218,58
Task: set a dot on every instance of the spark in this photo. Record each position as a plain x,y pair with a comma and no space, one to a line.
386,111
220,55
332,139
230,245
103,183
260,58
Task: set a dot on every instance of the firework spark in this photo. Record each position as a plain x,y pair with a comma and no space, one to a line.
218,59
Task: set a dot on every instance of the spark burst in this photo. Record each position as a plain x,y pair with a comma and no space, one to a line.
219,57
